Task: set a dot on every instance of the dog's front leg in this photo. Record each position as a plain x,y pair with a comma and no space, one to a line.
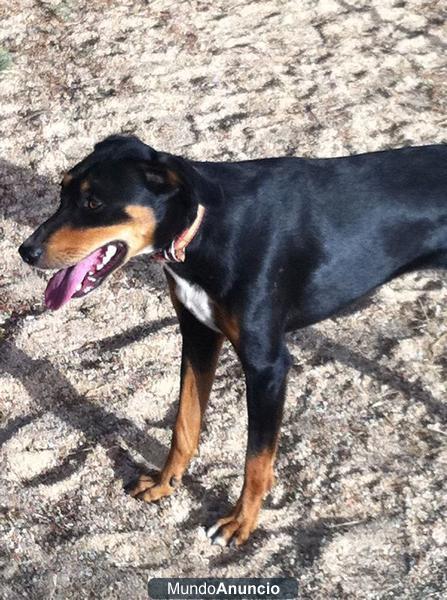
200,352
265,374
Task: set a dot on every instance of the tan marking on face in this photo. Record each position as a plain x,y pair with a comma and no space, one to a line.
69,245
66,179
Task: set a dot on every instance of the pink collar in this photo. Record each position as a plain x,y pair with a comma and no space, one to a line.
177,248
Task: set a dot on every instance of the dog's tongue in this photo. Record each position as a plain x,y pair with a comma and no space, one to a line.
63,284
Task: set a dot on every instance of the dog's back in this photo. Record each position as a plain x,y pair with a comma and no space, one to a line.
334,229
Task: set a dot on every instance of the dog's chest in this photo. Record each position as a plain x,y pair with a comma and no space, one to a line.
195,299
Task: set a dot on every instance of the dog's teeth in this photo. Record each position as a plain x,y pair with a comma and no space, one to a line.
91,272
79,287
92,279
88,288
105,258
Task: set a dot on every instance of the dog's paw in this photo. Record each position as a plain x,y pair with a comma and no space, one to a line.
152,488
233,530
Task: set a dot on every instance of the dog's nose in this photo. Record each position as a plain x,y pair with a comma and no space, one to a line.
30,253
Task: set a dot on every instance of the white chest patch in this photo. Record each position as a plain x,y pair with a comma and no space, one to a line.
195,299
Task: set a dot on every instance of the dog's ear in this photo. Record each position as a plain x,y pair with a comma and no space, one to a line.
158,177
166,173
181,174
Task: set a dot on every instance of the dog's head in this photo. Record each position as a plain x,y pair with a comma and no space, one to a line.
122,200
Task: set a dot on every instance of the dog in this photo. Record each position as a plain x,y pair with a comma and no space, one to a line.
250,250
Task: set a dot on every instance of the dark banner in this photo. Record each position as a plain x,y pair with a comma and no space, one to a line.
274,588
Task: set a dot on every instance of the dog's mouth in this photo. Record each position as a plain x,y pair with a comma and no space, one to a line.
85,276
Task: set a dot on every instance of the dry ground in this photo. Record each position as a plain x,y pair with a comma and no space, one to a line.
87,393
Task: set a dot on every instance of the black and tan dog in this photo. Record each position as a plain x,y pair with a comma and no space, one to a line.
251,250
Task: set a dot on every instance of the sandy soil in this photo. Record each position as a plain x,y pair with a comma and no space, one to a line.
88,393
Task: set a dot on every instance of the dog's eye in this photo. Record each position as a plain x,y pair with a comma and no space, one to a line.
92,203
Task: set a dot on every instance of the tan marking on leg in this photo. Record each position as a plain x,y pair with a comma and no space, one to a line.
69,245
228,324
242,520
194,394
